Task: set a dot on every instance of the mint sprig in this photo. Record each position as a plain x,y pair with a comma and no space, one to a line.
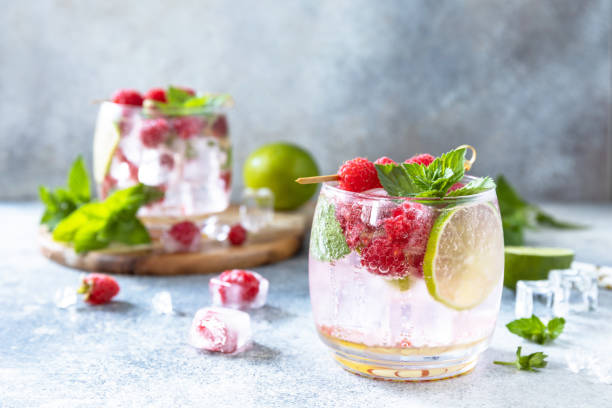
97,225
534,330
434,180
327,242
519,215
60,203
528,363
180,102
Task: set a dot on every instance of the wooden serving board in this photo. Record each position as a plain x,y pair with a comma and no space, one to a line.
276,242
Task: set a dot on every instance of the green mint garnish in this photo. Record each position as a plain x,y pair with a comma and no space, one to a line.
528,363
327,243
96,225
60,203
435,180
518,215
180,102
534,330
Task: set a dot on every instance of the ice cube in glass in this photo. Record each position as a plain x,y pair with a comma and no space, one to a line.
239,289
257,208
578,288
538,297
220,330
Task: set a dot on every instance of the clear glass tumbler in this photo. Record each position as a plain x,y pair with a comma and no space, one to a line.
405,289
187,154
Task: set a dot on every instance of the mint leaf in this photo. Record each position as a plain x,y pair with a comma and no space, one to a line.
60,203
518,215
435,180
78,181
327,242
177,96
97,225
534,330
528,363
473,187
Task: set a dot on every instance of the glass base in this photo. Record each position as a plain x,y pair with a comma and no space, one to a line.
406,364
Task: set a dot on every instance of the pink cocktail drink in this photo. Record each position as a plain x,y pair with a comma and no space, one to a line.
406,288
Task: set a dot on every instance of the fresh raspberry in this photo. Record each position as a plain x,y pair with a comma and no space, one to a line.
425,159
128,97
156,94
237,234
384,160
167,161
153,132
410,223
248,282
456,186
184,232
98,288
358,175
226,176
219,128
188,126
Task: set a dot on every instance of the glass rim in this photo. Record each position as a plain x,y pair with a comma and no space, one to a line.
182,111
333,186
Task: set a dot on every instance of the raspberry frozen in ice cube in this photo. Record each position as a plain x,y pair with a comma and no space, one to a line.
221,330
183,236
239,289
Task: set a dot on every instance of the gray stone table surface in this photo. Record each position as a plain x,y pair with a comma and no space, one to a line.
125,355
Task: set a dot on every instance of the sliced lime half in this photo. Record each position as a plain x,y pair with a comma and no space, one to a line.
528,263
465,256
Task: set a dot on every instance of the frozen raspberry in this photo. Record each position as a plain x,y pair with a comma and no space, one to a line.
237,234
384,160
425,159
383,256
226,176
210,331
248,282
355,230
128,97
187,127
358,175
99,288
184,232
167,161
123,159
153,132
156,94
219,128
402,249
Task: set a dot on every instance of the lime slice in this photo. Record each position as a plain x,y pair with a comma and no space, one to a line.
106,140
526,263
464,258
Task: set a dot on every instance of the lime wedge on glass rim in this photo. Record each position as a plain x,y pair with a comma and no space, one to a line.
106,140
464,260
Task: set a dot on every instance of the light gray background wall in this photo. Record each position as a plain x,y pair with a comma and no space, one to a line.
526,82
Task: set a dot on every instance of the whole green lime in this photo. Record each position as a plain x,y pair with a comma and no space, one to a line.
276,166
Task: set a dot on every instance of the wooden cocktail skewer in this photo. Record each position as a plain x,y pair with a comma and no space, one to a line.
334,177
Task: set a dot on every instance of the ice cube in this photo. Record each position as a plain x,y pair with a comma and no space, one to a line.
239,289
219,329
541,297
215,229
257,208
155,167
578,288
65,297
162,303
